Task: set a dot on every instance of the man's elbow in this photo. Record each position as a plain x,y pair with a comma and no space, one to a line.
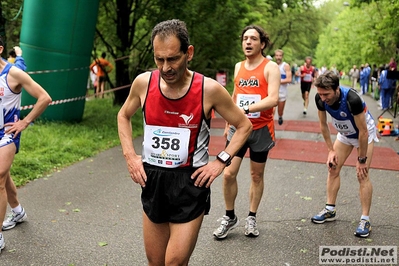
247,127
48,99
364,134
275,101
122,116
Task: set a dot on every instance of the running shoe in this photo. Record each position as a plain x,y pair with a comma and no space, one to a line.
251,229
280,121
324,216
2,243
226,224
304,111
13,218
363,229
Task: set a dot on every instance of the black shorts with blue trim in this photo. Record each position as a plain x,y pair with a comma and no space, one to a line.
170,195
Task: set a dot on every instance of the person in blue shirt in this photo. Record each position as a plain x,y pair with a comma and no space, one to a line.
367,68
387,88
364,77
15,57
356,129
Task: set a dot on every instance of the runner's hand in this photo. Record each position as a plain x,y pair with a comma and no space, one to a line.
136,170
361,170
15,127
332,160
18,51
207,173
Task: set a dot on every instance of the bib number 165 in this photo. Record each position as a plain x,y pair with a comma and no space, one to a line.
341,126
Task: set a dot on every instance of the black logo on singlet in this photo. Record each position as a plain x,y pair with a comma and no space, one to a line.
251,82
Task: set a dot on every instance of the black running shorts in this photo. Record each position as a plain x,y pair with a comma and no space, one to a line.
305,86
170,195
259,143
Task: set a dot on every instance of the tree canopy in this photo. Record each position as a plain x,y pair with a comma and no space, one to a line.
124,28
364,32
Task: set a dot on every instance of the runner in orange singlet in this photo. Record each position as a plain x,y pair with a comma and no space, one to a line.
256,86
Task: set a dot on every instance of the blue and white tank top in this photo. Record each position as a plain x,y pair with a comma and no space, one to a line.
283,75
343,120
10,102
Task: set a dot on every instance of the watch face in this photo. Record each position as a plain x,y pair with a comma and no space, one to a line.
224,156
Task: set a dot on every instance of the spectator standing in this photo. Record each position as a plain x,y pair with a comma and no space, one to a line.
392,64
103,68
93,80
387,88
334,70
393,67
323,69
15,57
363,80
367,68
355,75
374,79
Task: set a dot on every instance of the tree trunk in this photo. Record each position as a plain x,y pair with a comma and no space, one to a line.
124,33
122,79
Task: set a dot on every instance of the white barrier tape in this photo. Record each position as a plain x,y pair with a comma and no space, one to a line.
110,90
56,70
26,107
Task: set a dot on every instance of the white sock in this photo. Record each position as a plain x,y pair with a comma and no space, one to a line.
17,209
330,208
364,217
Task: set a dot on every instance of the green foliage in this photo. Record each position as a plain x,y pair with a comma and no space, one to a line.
295,30
49,146
216,48
10,23
293,26
365,32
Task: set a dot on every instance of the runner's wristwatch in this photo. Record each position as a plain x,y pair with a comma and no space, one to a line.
224,157
246,109
362,160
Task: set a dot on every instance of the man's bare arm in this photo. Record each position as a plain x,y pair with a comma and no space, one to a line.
132,104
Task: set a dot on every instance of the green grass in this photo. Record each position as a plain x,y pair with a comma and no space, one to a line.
49,146
345,82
